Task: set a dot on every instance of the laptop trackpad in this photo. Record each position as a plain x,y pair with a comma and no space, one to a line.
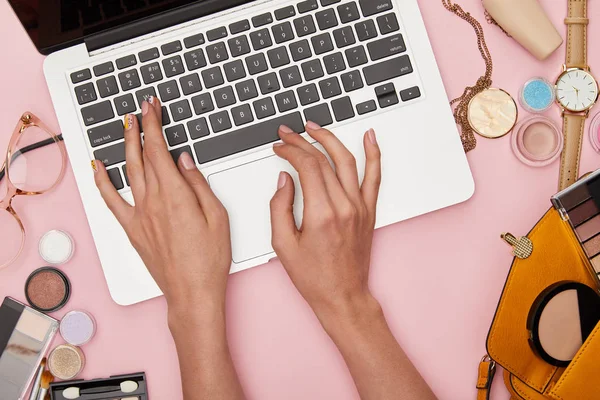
246,191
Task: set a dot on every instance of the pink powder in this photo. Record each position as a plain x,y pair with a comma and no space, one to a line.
539,140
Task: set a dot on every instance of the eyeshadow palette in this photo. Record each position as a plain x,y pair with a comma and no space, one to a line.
580,205
25,335
121,387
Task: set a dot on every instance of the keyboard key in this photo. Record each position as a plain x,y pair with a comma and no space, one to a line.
111,155
283,32
220,121
176,135
115,177
125,174
104,134
151,73
85,93
300,50
240,26
386,47
305,25
107,86
356,56
103,69
193,41
125,104
224,97
308,94
238,46
366,30
371,7
217,52
342,109
168,91
144,94
366,107
246,138
278,57
344,37
387,70
312,70
261,20
190,84
268,83
319,114
334,63
348,12
388,23
176,153
81,76
290,76
285,12
242,115
322,43
164,117
286,101
212,77
180,110
216,34
97,113
173,66
129,80
234,70
352,81
246,90
170,48
326,3
203,104
198,128
148,55
195,59
256,64
261,39
410,94
386,94
326,19
126,62
306,6
264,108
330,87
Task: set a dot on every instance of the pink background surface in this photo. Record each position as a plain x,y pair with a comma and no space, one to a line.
439,305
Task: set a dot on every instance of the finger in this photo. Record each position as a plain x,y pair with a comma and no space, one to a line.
284,232
119,207
344,161
372,181
133,155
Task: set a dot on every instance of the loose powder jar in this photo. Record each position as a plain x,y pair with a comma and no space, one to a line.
66,361
537,95
537,142
492,113
77,328
56,247
47,289
595,133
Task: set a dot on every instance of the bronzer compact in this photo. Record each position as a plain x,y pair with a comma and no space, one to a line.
122,387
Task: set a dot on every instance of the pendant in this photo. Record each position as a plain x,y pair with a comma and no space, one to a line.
492,113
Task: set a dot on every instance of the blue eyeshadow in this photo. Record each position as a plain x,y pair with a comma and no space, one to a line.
537,95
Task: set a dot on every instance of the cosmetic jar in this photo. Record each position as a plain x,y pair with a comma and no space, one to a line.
56,247
47,289
537,95
595,133
77,327
537,142
66,361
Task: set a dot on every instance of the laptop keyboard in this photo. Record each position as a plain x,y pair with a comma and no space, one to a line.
225,91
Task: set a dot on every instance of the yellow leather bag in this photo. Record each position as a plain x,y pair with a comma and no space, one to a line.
556,256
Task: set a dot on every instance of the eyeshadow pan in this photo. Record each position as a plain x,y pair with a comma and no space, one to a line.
588,229
583,212
592,246
47,289
33,325
596,264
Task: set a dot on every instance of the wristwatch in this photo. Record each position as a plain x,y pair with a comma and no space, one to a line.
576,91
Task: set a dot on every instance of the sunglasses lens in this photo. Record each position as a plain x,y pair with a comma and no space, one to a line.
11,237
36,163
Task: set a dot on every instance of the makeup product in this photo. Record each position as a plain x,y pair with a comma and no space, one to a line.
537,95
47,379
66,361
595,133
121,387
77,328
527,23
35,388
492,113
47,289
25,335
561,320
56,247
537,142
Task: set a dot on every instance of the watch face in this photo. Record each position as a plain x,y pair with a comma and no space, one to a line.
576,90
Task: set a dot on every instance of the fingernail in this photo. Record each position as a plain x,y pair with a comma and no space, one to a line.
312,125
145,107
282,180
187,161
372,136
285,129
94,166
278,144
151,99
128,121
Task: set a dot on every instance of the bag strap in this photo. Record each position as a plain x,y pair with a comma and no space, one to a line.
487,370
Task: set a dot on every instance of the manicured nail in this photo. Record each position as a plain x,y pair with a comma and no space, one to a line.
372,136
285,129
312,125
278,144
282,180
94,166
187,161
145,107
128,122
151,99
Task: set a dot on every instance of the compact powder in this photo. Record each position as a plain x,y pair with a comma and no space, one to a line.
492,113
537,142
66,361
56,247
77,328
47,289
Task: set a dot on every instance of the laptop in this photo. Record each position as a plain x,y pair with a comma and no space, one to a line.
228,73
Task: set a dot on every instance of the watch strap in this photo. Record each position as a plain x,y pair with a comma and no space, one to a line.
577,22
573,127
